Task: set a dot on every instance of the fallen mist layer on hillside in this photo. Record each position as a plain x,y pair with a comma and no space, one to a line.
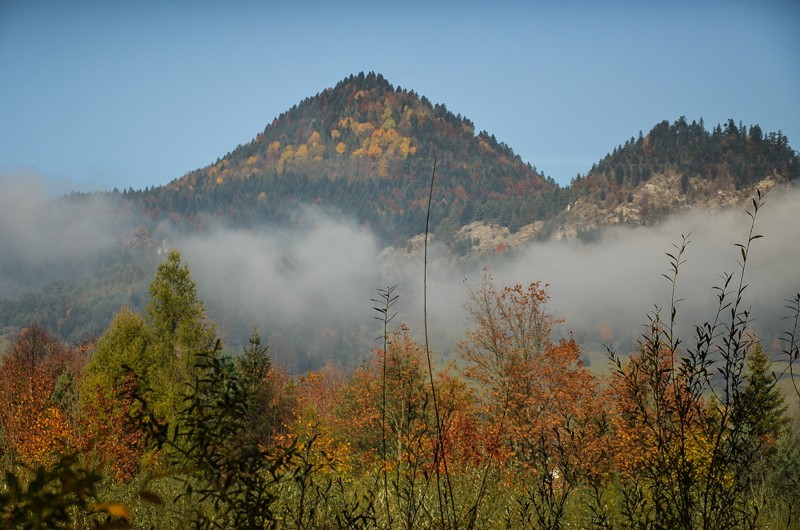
311,283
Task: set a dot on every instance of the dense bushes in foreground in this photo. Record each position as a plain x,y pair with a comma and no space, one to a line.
154,426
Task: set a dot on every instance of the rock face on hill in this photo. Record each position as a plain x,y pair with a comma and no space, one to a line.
584,217
652,201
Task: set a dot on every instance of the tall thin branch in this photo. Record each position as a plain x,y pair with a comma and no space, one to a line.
386,299
439,446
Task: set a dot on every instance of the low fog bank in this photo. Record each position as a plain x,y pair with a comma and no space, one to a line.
43,238
313,280
284,275
327,271
606,289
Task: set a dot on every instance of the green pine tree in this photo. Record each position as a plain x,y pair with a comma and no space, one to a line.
178,331
762,400
158,348
176,315
264,409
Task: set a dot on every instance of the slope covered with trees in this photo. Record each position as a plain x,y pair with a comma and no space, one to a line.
730,152
366,148
729,156
672,168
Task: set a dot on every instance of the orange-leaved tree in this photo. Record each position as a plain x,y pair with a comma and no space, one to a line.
659,444
34,424
388,407
112,432
318,395
546,406
407,405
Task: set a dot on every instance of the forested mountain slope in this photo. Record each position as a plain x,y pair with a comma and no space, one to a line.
367,149
672,168
364,151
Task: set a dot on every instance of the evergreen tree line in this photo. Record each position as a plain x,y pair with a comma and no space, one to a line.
736,152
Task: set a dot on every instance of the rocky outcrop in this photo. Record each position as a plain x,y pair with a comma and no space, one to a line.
660,196
650,202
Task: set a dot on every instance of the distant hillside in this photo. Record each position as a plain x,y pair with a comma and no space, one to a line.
366,148
672,168
733,155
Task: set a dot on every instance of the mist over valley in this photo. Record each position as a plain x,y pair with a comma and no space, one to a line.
295,231
314,277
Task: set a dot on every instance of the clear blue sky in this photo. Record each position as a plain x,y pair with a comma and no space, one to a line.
96,95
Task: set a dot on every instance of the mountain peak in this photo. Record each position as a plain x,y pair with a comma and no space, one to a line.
362,81
367,148
364,133
364,128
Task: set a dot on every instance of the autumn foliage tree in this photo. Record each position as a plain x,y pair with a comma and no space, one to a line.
658,435
407,403
317,399
545,405
122,365
34,425
386,417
